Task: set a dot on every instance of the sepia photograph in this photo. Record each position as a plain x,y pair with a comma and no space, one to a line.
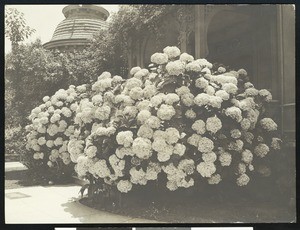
151,114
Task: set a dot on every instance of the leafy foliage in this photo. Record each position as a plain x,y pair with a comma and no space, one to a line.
110,47
15,27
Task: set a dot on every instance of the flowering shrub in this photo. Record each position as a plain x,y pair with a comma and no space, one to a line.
48,135
185,123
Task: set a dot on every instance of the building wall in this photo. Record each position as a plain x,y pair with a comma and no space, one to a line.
286,68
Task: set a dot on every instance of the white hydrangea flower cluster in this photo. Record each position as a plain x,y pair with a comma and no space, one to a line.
268,124
104,82
75,148
125,138
261,150
213,124
165,143
124,186
178,176
225,158
206,169
159,58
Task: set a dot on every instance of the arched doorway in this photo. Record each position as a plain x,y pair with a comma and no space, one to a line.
244,37
230,40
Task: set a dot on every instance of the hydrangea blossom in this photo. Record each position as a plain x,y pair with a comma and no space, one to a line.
215,102
165,112
157,99
133,82
143,116
159,58
243,180
172,135
172,51
214,179
149,91
225,158
186,58
190,114
179,149
145,131
202,99
134,70
275,144
247,156
125,138
242,168
175,68
182,90
213,124
230,88
222,94
235,133
205,145
143,105
251,92
193,67
265,94
194,140
142,147
206,169
236,145
235,113
188,99
268,124
209,90
261,150
141,74
136,93
245,124
171,98
153,122
199,127
209,157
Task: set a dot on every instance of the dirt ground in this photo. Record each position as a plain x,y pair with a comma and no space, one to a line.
204,207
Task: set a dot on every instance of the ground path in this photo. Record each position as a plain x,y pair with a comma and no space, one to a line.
53,204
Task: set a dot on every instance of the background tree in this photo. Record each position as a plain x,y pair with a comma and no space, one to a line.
110,47
16,29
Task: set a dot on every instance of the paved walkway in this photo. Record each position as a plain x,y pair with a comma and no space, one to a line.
14,166
54,204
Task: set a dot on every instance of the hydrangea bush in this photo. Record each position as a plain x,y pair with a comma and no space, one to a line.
184,123
52,124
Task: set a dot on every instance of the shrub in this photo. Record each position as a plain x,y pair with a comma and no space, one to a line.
185,123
